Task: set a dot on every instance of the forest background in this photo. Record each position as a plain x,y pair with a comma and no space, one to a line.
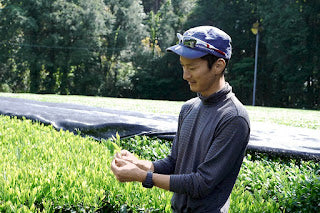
117,48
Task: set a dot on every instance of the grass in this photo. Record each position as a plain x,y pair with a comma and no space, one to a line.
282,116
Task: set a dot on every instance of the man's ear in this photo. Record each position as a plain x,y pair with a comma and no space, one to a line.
219,66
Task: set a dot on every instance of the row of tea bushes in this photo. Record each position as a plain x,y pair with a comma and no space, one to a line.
269,184
42,169
265,183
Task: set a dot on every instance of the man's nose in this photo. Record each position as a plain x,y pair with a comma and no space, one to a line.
186,74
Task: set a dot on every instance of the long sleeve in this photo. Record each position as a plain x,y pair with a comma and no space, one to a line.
164,166
167,165
225,153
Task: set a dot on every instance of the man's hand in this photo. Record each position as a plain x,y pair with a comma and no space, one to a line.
127,168
128,156
126,171
142,164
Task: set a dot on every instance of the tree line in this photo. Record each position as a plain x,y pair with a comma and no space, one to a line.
117,47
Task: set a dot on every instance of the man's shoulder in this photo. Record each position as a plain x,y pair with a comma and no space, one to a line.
238,106
191,101
188,105
235,108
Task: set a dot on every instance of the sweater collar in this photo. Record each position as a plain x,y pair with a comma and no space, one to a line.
217,96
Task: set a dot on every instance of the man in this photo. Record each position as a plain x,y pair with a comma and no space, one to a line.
213,131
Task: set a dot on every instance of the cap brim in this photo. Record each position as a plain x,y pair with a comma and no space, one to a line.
186,51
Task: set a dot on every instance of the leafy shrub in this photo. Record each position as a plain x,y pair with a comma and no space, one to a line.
272,186
42,169
45,170
265,183
146,147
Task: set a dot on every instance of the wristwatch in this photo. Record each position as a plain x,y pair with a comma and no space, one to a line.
148,183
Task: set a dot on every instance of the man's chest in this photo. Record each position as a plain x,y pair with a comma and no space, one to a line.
196,136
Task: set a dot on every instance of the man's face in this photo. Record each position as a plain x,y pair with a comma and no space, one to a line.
201,79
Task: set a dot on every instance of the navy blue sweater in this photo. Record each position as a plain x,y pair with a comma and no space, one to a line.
207,152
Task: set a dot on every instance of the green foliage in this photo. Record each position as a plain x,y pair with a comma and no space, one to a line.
290,63
84,47
121,44
53,37
151,149
242,72
270,185
288,66
68,46
159,75
42,169
45,170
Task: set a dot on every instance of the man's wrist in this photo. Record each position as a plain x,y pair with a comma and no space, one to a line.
141,177
148,182
145,165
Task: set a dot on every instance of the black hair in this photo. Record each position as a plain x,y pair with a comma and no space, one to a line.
211,59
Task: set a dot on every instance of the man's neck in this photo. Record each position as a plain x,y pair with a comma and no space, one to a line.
218,85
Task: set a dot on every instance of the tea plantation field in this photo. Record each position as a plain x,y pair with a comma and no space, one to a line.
43,170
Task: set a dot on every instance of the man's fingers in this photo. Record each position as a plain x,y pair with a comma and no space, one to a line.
124,152
119,162
114,166
117,155
116,163
127,158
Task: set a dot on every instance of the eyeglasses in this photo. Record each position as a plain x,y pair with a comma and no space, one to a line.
193,42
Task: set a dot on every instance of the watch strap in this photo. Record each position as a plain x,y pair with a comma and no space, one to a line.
148,183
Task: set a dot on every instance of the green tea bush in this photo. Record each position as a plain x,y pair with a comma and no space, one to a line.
43,170
146,147
265,183
277,186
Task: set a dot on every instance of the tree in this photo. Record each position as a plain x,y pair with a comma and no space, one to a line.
113,48
292,48
151,5
288,69
14,75
121,43
56,38
159,74
80,27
